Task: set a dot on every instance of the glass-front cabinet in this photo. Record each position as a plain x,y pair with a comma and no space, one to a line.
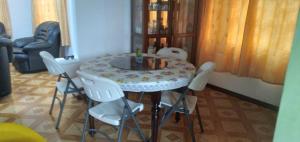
160,24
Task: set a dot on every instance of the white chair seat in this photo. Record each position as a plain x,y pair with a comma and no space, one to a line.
70,66
62,85
169,99
111,112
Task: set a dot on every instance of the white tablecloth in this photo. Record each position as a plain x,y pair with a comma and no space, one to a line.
177,74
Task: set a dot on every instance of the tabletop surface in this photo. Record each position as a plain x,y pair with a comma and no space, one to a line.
173,74
145,63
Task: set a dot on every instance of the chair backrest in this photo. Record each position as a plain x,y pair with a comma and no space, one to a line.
52,65
2,28
199,82
210,66
100,89
48,31
173,52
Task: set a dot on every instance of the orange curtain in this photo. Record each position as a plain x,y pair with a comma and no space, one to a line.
44,10
249,38
63,22
4,16
52,10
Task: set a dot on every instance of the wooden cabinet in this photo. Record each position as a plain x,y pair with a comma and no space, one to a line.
165,23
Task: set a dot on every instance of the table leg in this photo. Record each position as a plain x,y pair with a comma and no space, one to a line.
92,124
126,94
177,114
155,115
177,117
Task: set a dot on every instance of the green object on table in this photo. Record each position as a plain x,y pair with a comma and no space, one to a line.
138,56
138,52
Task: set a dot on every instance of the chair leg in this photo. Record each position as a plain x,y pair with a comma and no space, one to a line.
62,105
141,95
85,126
190,125
122,121
53,101
198,115
199,119
177,114
166,116
138,127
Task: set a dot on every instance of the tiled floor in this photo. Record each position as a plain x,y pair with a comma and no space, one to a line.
226,118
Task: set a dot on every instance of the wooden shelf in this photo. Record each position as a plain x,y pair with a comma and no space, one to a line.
158,35
158,10
181,27
184,34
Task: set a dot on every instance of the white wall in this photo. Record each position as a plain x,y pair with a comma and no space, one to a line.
21,18
72,50
102,27
250,87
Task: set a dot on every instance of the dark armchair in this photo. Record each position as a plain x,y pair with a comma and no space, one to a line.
5,41
26,50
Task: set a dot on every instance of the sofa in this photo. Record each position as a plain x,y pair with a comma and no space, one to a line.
26,58
5,41
5,81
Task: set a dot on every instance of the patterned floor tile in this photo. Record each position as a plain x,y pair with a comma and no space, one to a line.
224,103
263,129
46,126
13,109
3,119
227,113
37,111
34,82
225,118
210,138
25,121
239,139
28,99
171,136
234,126
74,129
133,135
257,116
207,124
205,111
42,90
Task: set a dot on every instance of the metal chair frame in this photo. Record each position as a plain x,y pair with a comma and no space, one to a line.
54,68
182,109
127,113
70,88
103,90
180,104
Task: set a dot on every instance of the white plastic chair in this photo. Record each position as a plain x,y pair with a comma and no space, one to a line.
183,103
173,52
114,108
64,84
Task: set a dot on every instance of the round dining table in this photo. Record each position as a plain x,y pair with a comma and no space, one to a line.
152,74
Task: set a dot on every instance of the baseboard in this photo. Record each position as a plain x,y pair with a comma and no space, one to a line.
245,98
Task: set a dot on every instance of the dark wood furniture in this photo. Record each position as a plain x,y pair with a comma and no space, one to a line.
165,23
147,63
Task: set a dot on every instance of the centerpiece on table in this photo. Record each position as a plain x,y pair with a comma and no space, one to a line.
138,56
